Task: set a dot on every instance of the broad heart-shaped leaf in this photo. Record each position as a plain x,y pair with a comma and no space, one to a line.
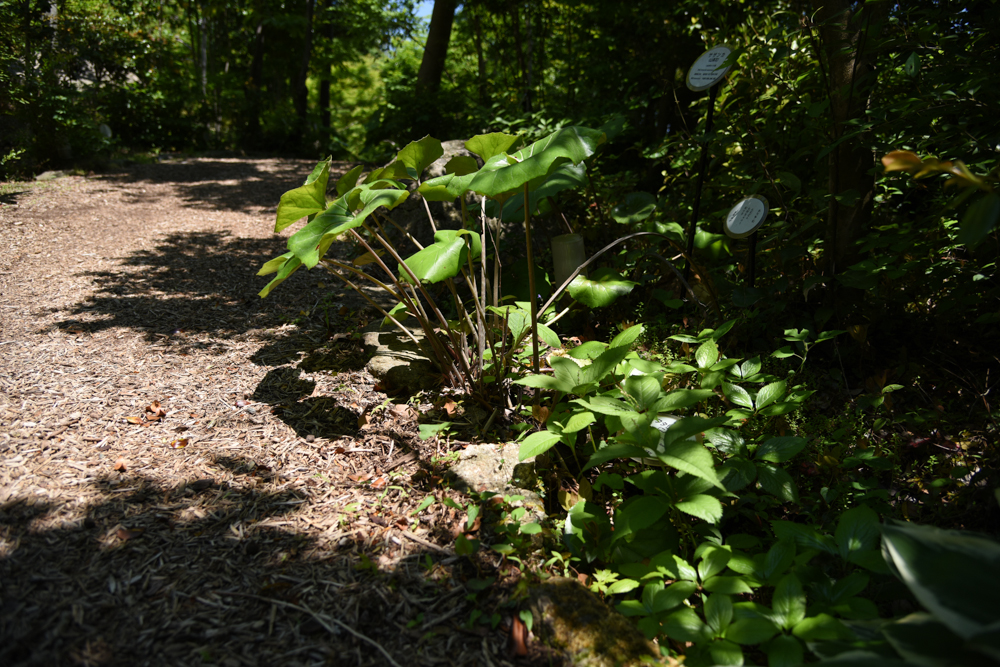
461,165
706,508
312,241
537,443
285,265
495,143
574,144
349,181
955,575
636,207
601,289
437,262
857,531
780,449
448,235
789,602
563,178
643,389
417,155
777,482
304,200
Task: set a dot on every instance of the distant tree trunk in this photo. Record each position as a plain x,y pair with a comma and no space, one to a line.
203,55
480,58
300,94
848,36
528,57
252,90
438,37
522,69
324,83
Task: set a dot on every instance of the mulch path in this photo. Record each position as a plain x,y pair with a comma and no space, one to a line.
190,474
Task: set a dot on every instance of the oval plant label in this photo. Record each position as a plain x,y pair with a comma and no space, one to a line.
707,70
746,217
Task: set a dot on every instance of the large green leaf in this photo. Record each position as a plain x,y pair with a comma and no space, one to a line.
681,398
954,575
685,625
573,144
615,451
603,288
495,143
348,181
566,177
437,261
417,155
718,612
604,363
448,235
304,200
286,268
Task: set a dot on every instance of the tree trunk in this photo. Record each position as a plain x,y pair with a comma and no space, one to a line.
252,89
438,37
848,36
300,95
480,58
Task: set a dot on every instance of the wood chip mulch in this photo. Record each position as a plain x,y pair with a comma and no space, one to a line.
190,474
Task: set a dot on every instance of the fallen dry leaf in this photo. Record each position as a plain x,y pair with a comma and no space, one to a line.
134,420
360,477
121,465
519,636
154,412
125,534
380,482
540,413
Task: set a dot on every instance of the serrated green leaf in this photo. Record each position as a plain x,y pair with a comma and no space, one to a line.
777,482
685,625
644,390
789,601
706,508
718,612
769,393
780,449
707,354
737,395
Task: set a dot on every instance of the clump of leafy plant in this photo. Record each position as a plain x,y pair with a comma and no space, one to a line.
478,348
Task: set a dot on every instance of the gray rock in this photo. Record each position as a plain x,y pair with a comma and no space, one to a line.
570,618
397,363
50,175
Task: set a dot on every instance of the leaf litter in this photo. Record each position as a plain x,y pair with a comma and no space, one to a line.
274,530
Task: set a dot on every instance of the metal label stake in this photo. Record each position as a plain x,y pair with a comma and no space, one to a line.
742,222
706,71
